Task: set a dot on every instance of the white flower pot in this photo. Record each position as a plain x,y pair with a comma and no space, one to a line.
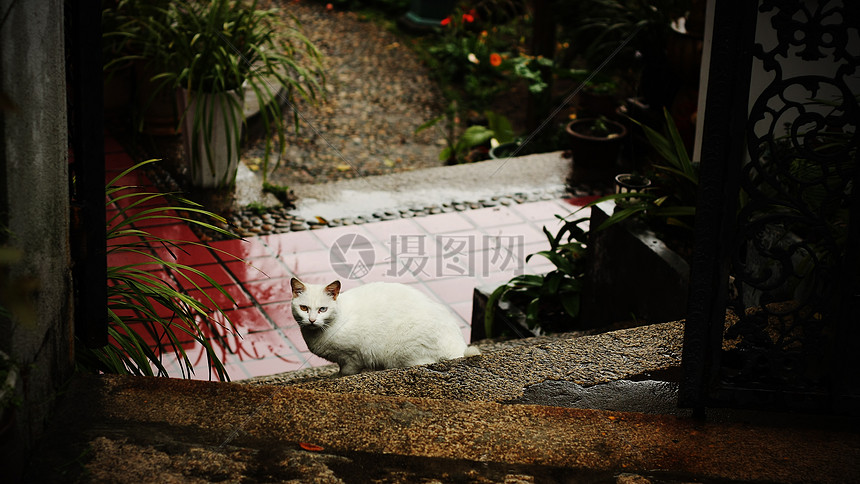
211,132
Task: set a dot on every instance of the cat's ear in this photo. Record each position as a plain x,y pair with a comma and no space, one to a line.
297,286
333,289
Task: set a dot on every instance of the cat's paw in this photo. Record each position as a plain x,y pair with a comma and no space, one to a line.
471,351
349,369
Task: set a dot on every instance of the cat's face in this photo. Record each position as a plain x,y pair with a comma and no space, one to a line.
314,305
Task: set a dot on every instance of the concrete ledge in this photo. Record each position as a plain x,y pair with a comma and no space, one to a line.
505,374
472,181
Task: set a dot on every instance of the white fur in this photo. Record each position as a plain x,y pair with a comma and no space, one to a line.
376,326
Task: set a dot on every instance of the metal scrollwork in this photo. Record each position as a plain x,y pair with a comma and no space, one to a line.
797,189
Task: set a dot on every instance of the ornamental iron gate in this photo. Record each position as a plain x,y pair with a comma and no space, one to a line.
775,279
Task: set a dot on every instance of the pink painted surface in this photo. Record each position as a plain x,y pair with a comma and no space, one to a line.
445,255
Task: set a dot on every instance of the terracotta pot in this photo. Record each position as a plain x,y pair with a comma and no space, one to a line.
595,156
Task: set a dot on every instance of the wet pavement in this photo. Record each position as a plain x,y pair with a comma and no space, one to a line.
123,429
445,255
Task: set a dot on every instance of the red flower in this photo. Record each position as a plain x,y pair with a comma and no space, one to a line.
468,18
446,21
495,60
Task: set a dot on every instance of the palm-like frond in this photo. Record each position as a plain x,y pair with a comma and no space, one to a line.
151,319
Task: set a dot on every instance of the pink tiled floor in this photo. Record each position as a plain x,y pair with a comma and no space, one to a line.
445,255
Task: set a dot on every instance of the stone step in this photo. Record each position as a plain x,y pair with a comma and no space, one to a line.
539,370
489,418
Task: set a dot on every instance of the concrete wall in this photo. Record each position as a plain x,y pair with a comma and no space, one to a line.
35,200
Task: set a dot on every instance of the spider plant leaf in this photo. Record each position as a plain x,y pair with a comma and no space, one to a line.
552,281
428,124
533,312
679,148
490,310
680,173
624,214
570,303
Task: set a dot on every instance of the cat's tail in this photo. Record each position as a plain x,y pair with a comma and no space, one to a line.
471,351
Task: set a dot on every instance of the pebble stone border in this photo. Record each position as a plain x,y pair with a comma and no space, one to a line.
251,223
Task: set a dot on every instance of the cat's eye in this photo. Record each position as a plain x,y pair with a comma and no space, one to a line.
304,308
323,309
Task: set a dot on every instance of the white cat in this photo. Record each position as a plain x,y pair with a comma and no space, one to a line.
376,326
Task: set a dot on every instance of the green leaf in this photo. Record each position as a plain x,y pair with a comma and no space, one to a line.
571,305
474,136
624,214
143,298
680,150
501,127
533,312
490,312
445,154
428,124
552,283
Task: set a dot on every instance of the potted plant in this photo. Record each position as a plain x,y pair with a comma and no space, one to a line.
503,144
582,291
472,143
117,68
630,184
534,304
598,95
667,198
595,145
624,34
216,52
134,47
503,150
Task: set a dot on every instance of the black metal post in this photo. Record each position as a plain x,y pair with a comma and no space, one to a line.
86,119
722,151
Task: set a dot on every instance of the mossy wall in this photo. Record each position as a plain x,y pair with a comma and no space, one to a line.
34,213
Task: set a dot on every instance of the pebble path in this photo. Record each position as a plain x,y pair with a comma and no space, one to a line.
378,93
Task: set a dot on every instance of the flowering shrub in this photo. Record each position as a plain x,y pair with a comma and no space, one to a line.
528,68
470,57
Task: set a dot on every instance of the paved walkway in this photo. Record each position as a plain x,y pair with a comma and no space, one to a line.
445,255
